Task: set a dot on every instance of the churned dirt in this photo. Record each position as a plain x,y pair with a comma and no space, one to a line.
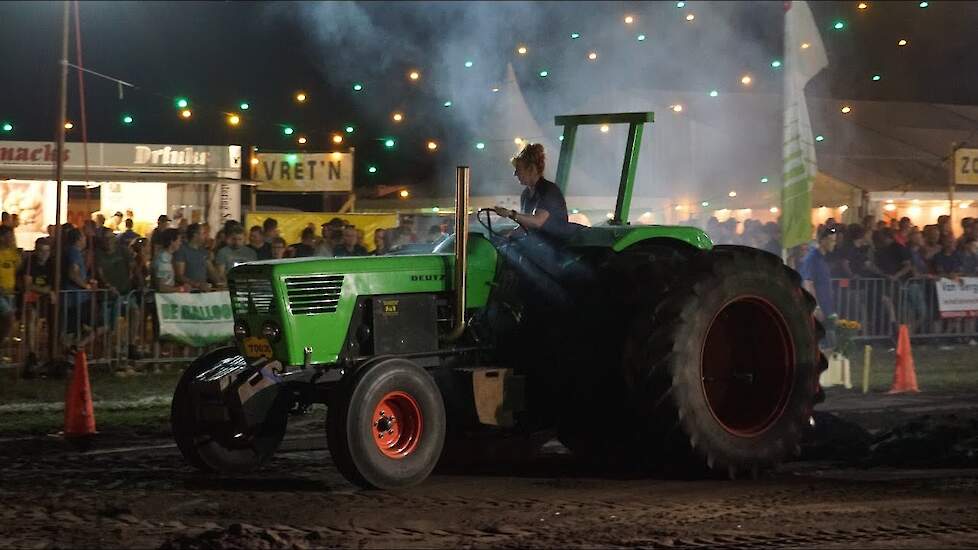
855,487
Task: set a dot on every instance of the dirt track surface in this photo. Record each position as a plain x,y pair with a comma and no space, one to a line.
148,498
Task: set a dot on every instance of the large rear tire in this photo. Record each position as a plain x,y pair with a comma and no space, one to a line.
202,449
386,427
724,370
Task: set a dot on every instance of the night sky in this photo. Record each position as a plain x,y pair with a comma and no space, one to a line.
219,54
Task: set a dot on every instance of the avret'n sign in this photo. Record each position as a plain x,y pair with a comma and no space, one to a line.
303,172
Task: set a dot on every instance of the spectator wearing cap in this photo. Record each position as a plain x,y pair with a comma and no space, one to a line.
192,264
332,232
115,222
256,242
305,248
235,252
164,276
816,275
350,246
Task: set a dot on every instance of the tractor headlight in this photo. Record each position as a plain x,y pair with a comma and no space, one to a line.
271,331
241,330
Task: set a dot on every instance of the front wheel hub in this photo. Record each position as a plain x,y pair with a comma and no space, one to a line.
397,424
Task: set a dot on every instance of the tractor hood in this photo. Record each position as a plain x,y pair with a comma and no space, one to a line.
314,298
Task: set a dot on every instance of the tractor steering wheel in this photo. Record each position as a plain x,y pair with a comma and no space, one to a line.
487,223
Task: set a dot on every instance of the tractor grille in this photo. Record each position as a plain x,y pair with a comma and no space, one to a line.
246,293
311,294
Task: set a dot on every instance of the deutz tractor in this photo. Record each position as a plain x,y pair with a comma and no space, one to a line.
638,345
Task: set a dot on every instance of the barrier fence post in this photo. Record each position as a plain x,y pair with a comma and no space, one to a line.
867,357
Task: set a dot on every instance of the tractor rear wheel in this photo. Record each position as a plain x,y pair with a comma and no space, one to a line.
724,370
386,427
204,450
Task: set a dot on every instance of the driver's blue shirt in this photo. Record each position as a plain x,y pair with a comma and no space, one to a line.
545,195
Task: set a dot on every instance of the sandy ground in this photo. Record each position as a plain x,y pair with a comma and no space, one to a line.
136,492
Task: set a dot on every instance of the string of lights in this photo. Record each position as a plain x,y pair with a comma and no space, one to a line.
245,112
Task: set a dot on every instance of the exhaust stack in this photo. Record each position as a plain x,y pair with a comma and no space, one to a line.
461,248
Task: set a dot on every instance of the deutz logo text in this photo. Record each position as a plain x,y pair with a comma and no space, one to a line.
440,277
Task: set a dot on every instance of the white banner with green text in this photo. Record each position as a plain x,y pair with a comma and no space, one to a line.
195,319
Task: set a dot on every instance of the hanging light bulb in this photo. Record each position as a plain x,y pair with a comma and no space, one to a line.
397,117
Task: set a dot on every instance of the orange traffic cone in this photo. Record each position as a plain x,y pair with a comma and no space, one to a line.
79,413
904,376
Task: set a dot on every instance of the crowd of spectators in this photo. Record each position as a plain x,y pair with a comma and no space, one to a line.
110,256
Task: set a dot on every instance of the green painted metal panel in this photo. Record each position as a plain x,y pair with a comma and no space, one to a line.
364,276
566,155
628,167
610,118
619,238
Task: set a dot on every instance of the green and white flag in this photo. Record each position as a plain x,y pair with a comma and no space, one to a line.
195,320
804,58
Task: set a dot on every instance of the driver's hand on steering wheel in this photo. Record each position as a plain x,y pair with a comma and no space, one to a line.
504,212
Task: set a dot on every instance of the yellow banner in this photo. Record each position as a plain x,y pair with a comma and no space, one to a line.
303,172
291,224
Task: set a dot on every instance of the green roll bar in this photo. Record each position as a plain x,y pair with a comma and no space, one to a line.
636,123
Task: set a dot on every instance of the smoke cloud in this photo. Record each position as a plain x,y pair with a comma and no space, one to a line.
714,145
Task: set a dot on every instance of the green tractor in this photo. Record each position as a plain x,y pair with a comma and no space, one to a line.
639,345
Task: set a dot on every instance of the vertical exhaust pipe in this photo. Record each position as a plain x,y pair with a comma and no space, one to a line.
461,249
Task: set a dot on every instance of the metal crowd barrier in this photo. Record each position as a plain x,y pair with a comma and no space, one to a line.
881,305
115,331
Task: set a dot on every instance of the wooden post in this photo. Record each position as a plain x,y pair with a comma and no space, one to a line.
867,357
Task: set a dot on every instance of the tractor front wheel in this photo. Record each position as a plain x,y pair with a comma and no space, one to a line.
724,370
386,427
204,449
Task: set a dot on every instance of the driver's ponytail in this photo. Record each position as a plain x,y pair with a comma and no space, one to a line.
531,155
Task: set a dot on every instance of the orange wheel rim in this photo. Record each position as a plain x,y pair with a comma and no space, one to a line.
748,364
396,424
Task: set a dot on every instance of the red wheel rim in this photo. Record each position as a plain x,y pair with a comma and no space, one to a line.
396,424
747,365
